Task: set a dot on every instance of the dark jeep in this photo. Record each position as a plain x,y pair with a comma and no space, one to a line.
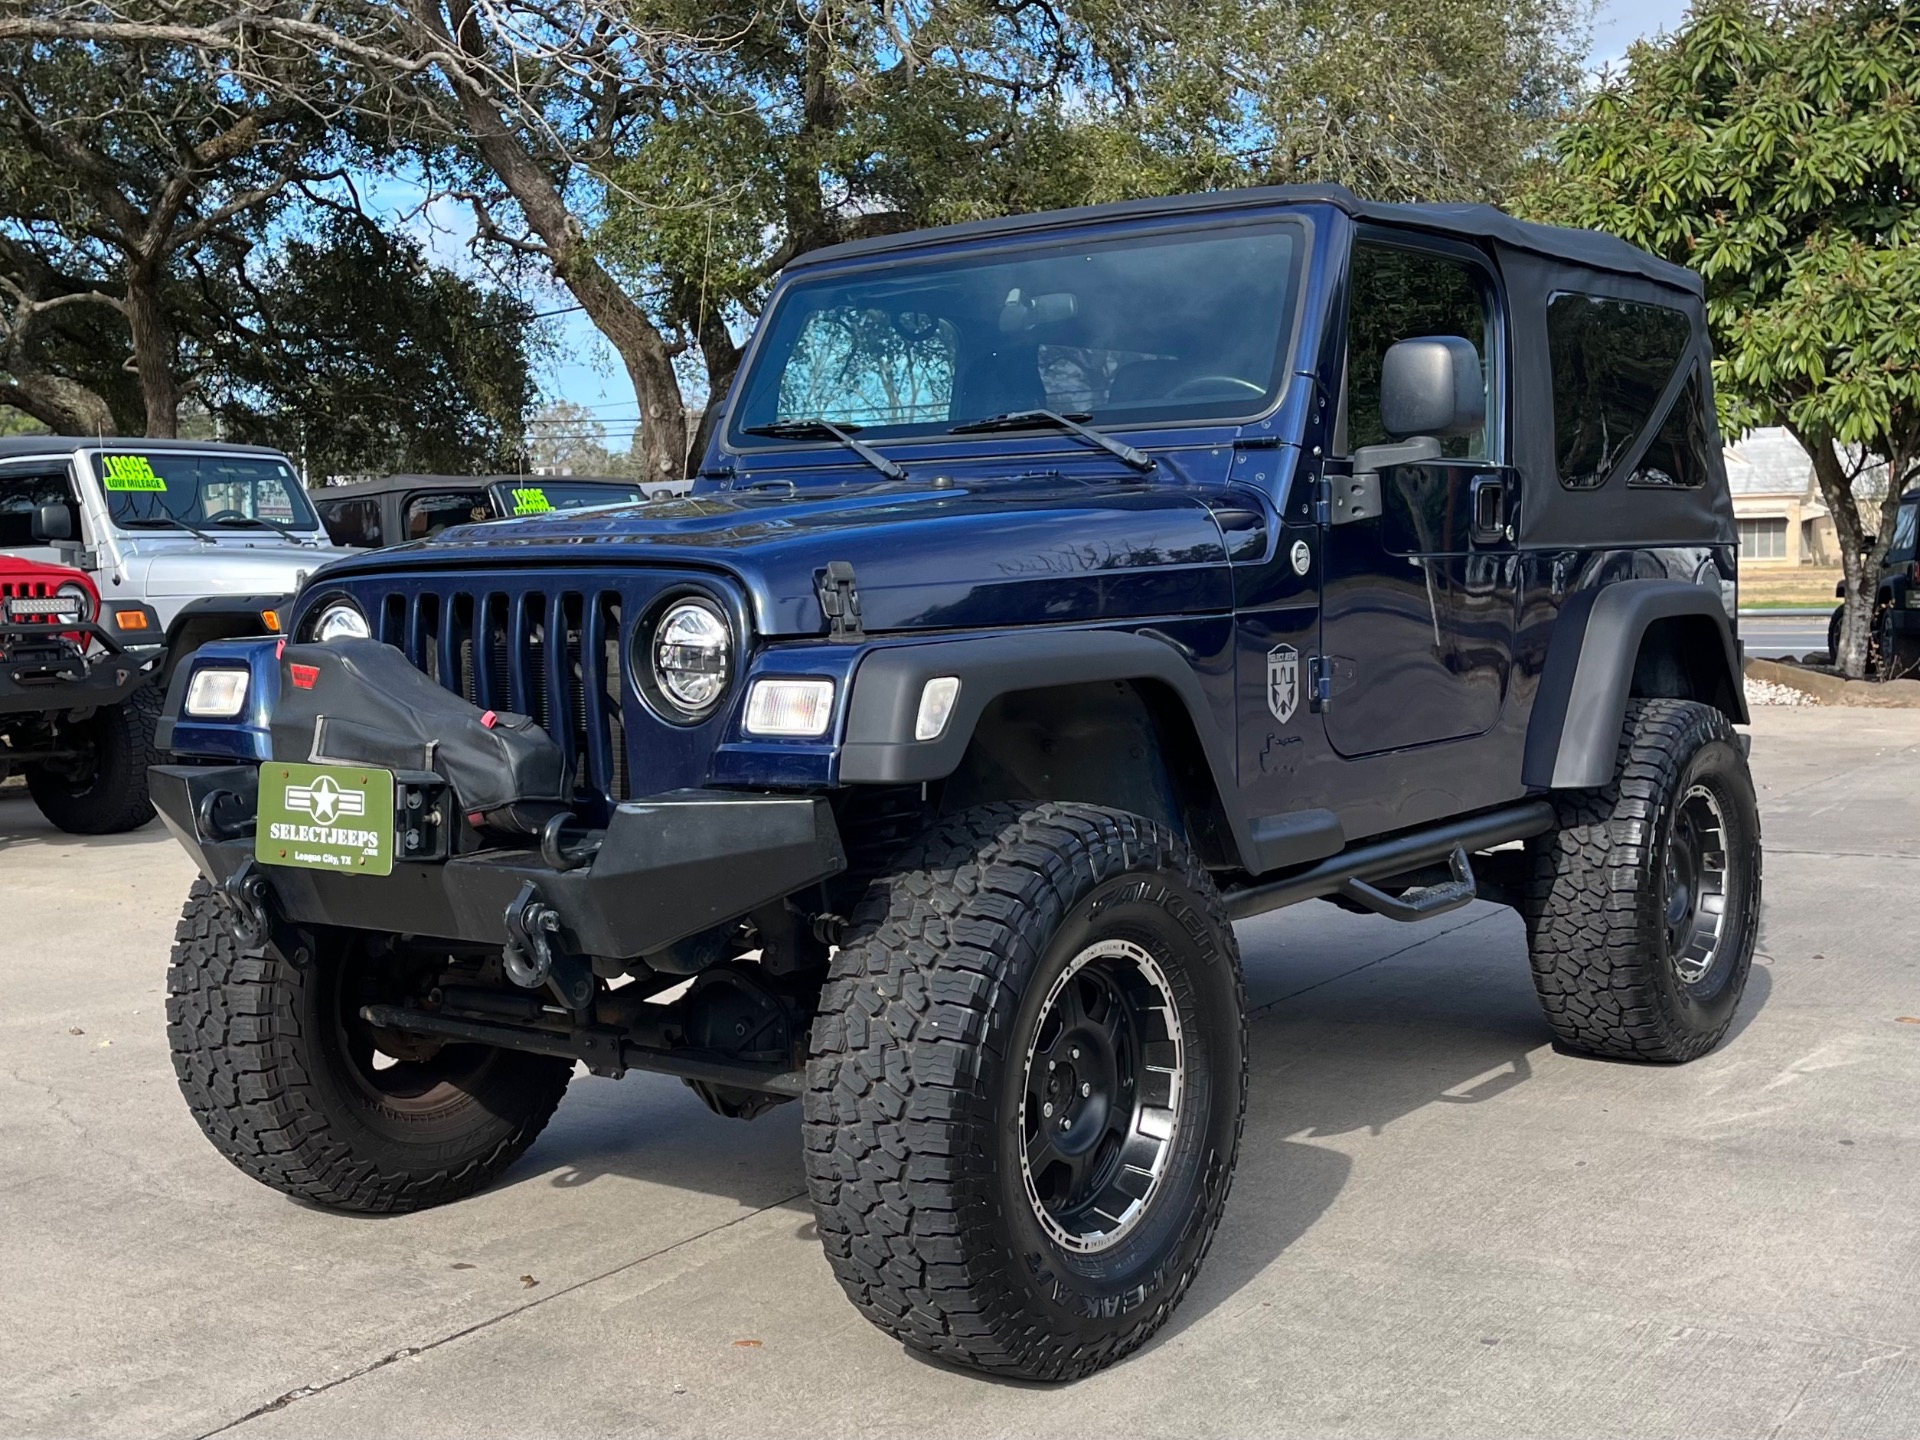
371,513
1058,591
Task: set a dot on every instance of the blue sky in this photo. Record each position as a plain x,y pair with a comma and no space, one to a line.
582,368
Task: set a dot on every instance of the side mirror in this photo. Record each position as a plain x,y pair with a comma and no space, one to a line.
1432,386
53,522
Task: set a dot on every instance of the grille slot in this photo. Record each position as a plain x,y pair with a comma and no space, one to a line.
555,655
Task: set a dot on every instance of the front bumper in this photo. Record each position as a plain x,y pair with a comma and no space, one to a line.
46,670
666,867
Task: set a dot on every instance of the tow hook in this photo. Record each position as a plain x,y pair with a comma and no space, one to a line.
244,895
532,957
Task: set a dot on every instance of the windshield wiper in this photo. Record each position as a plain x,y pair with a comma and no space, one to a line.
1053,419
150,522
286,530
827,430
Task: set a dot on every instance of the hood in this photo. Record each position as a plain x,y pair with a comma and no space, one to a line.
200,569
1047,551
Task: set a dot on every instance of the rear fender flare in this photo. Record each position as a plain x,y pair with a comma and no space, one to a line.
1574,733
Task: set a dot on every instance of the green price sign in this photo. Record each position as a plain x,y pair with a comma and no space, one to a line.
132,472
531,500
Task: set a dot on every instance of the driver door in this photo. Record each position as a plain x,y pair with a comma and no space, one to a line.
26,485
1418,606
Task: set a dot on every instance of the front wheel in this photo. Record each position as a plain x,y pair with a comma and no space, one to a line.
1026,1089
102,788
297,1091
1644,904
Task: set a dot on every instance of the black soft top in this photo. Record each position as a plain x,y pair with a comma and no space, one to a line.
1589,248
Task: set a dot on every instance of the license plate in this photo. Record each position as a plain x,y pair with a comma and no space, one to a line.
326,817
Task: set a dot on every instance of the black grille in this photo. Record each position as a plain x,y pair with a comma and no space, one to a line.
554,654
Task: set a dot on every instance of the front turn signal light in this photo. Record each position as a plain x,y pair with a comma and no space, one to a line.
130,620
802,708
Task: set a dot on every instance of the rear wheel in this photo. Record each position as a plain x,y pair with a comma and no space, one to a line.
103,789
1643,905
1026,1089
296,1090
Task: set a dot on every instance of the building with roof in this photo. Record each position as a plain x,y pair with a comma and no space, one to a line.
1777,505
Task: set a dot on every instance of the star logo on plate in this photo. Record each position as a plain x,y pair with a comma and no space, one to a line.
325,800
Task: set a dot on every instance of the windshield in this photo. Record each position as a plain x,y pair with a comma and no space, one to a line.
1148,328
537,497
167,489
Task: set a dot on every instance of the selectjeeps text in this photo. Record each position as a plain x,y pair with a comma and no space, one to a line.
1056,592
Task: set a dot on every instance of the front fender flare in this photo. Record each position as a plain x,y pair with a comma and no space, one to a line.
879,748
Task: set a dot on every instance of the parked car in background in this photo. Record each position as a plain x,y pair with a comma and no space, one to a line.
76,699
1895,645
373,513
189,541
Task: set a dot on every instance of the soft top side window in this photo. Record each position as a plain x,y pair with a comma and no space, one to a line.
431,511
352,522
1398,294
1612,360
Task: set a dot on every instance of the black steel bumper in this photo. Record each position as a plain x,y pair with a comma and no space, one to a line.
666,867
41,670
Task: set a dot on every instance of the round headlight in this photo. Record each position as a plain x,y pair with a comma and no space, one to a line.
341,620
692,657
77,593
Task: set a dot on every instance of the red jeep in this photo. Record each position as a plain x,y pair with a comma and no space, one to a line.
77,702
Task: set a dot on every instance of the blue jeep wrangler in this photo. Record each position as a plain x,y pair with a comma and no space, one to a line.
1056,592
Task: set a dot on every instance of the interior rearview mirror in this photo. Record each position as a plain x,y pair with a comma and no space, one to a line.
53,522
1432,386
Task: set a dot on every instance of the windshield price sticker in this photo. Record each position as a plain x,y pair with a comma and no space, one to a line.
132,472
531,500
326,817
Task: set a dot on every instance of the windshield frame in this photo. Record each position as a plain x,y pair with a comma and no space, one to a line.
306,526
732,439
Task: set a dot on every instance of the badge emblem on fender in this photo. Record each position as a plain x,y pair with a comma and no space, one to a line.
1302,557
1283,682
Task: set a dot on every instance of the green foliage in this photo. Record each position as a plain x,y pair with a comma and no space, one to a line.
1773,147
827,120
358,354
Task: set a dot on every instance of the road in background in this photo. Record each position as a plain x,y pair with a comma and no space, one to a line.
1441,1226
1768,637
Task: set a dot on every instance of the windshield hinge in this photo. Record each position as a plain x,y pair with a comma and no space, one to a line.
840,600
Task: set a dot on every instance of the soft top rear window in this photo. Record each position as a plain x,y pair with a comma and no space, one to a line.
1612,362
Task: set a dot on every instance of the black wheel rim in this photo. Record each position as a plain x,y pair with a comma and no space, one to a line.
1101,1102
1695,887
419,1076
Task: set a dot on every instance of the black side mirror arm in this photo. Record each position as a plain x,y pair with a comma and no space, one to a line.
1357,496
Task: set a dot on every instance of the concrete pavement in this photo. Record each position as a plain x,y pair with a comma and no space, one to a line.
1440,1227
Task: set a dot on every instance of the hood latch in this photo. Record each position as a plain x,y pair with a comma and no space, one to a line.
840,600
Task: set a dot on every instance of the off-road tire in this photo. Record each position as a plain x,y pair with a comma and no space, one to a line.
1596,925
256,1052
113,797
913,1135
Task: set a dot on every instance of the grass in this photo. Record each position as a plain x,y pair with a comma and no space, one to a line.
1788,588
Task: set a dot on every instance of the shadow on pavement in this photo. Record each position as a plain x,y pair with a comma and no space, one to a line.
22,823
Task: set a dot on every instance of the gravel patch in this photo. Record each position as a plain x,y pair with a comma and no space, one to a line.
1765,692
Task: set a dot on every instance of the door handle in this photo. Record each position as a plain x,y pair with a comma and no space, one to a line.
1487,500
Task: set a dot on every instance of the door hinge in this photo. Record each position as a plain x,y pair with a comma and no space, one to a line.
1320,682
840,600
